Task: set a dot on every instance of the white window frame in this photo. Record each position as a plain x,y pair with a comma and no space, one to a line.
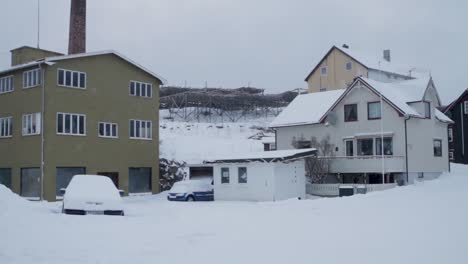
246,175
450,134
7,130
27,124
451,155
321,71
465,104
346,147
32,78
105,129
71,79
351,65
228,175
71,123
140,85
7,84
140,122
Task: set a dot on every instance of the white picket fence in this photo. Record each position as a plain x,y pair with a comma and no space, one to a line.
333,189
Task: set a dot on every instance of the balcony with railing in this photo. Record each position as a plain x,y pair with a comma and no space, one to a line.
367,164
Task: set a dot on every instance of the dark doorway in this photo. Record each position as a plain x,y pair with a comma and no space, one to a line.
114,176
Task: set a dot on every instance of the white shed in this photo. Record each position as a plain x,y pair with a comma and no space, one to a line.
262,176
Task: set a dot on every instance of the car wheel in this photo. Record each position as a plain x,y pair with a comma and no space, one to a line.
190,199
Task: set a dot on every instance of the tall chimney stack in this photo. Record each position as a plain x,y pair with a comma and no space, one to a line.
77,37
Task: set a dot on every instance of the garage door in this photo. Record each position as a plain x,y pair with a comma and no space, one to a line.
31,182
139,180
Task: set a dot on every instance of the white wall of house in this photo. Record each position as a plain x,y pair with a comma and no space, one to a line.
421,133
265,181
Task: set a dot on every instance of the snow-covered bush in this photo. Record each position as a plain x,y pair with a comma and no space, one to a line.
170,171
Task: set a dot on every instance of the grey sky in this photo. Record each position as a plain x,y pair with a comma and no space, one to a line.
272,44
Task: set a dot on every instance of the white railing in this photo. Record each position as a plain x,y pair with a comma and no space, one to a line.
369,164
333,189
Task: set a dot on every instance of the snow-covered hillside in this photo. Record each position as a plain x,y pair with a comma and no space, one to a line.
424,223
194,142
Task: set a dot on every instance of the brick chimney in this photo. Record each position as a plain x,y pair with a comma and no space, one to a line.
77,37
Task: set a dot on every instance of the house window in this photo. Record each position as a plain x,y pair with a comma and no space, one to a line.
71,124
349,65
427,110
140,129
32,78
6,84
6,126
420,175
387,147
350,113
465,104
224,175
73,79
31,124
450,134
108,130
139,180
141,89
303,144
63,176
242,175
349,148
365,147
451,156
437,148
5,177
373,110
323,89
323,71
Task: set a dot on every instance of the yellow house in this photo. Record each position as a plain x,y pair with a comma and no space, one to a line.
341,65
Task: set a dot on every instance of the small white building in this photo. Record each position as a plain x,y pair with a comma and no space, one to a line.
262,176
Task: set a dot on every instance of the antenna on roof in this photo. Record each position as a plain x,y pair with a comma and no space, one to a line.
38,21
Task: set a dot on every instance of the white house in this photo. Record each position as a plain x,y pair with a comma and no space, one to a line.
262,176
414,131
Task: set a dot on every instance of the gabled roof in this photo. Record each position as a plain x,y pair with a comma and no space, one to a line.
267,156
83,55
456,101
313,108
307,108
368,61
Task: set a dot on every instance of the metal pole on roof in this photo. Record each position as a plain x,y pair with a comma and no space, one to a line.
38,21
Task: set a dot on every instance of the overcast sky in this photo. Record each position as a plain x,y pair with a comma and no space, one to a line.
271,44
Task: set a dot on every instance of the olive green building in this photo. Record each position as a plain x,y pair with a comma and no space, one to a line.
89,113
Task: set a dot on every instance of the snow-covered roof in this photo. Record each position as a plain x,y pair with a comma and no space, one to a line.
266,156
82,55
307,108
369,60
312,108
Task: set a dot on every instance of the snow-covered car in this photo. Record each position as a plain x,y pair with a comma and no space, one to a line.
92,194
191,190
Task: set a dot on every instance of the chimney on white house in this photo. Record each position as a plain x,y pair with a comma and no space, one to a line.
77,33
386,55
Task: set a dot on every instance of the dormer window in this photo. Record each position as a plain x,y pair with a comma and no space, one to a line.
323,71
427,110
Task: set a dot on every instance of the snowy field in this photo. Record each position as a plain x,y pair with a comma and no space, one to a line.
194,142
423,223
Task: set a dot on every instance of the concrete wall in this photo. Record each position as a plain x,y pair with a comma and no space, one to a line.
337,75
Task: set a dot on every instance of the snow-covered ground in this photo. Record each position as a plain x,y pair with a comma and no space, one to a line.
423,223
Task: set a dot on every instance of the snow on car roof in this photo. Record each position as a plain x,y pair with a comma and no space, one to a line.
266,156
307,108
95,185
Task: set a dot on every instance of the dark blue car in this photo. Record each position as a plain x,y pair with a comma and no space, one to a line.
191,190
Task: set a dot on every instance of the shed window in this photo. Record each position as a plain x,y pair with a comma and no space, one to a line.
224,175
242,175
437,148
